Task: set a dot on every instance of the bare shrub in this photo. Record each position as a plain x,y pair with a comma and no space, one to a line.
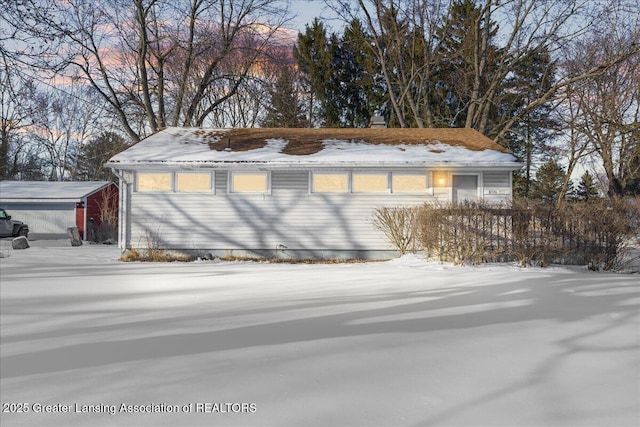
606,229
108,209
595,233
151,244
531,240
134,255
466,232
150,249
399,225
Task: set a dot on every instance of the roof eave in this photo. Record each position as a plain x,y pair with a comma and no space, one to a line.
514,165
40,200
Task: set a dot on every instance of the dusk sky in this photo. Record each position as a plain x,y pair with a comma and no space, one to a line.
306,11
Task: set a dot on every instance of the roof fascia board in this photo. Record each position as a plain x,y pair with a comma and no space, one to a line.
309,165
39,200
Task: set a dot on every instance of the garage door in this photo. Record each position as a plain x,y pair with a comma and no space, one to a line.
45,220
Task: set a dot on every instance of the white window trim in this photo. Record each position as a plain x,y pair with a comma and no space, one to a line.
211,190
230,175
370,172
428,191
329,172
174,177
137,181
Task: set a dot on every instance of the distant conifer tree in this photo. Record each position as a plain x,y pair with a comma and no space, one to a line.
284,108
548,182
587,189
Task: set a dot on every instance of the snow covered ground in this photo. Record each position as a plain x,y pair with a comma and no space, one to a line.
399,343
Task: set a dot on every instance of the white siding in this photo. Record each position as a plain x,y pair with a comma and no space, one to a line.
290,215
497,186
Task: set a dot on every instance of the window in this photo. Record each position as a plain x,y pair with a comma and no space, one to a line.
193,182
370,182
249,182
409,183
330,182
154,181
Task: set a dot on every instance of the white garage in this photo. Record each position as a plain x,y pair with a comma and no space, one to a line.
49,208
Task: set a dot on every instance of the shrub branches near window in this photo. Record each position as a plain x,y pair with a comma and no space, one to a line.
594,233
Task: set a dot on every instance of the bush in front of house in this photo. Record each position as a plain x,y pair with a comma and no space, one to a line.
160,255
400,225
596,232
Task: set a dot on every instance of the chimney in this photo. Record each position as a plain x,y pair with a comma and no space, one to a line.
377,122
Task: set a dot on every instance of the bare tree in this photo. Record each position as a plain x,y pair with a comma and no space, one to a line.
607,105
572,145
403,41
17,94
61,123
155,62
524,27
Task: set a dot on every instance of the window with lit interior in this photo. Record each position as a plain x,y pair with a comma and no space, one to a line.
193,182
330,183
409,183
154,181
370,182
257,182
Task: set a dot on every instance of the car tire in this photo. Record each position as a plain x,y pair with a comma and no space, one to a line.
23,232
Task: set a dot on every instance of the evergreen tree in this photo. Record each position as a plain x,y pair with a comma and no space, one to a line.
548,183
632,172
330,99
520,184
572,192
341,74
358,77
469,52
284,109
313,54
587,189
403,47
529,137
457,40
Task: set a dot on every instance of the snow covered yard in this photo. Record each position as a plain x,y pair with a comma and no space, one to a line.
400,343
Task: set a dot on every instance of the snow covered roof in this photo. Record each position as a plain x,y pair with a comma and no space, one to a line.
48,191
319,147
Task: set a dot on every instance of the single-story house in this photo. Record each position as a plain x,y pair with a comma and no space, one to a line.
50,207
306,193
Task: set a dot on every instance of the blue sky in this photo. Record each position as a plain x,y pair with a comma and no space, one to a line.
306,11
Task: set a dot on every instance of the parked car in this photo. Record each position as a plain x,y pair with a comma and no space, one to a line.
10,227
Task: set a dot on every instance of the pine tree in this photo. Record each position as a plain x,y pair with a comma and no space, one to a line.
548,182
313,54
284,109
520,185
530,136
457,41
342,75
358,77
587,189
